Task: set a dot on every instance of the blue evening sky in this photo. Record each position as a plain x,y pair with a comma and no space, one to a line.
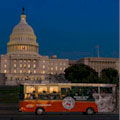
68,28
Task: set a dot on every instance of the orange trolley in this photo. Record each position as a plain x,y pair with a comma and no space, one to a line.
62,97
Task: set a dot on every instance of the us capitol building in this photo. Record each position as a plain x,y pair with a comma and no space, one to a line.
23,63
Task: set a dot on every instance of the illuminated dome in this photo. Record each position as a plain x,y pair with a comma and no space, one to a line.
22,38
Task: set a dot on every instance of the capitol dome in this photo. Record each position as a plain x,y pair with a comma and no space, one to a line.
23,27
22,38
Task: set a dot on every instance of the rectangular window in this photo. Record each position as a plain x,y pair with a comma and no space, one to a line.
5,71
56,67
53,89
14,60
43,66
52,73
20,65
21,71
5,65
34,66
61,69
83,93
24,65
43,72
14,71
28,65
29,71
15,65
42,89
34,61
34,71
65,91
51,68
43,61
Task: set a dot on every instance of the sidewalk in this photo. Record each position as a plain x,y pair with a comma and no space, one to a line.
8,108
8,104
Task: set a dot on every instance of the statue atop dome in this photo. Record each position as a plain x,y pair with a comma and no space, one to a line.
23,11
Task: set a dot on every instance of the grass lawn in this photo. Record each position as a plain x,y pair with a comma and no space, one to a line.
9,94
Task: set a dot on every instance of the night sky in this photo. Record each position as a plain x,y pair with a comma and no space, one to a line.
68,28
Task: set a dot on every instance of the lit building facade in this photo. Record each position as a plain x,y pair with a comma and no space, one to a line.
100,63
23,63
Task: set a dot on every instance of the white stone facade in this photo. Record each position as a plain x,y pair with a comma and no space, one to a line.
98,64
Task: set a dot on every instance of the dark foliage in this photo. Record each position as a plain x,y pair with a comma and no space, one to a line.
109,75
80,73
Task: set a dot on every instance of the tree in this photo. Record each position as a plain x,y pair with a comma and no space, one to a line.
109,75
80,73
57,78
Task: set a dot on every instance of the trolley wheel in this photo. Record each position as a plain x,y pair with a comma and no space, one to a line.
90,111
39,111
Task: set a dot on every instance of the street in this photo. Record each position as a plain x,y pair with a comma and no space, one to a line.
10,112
56,116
